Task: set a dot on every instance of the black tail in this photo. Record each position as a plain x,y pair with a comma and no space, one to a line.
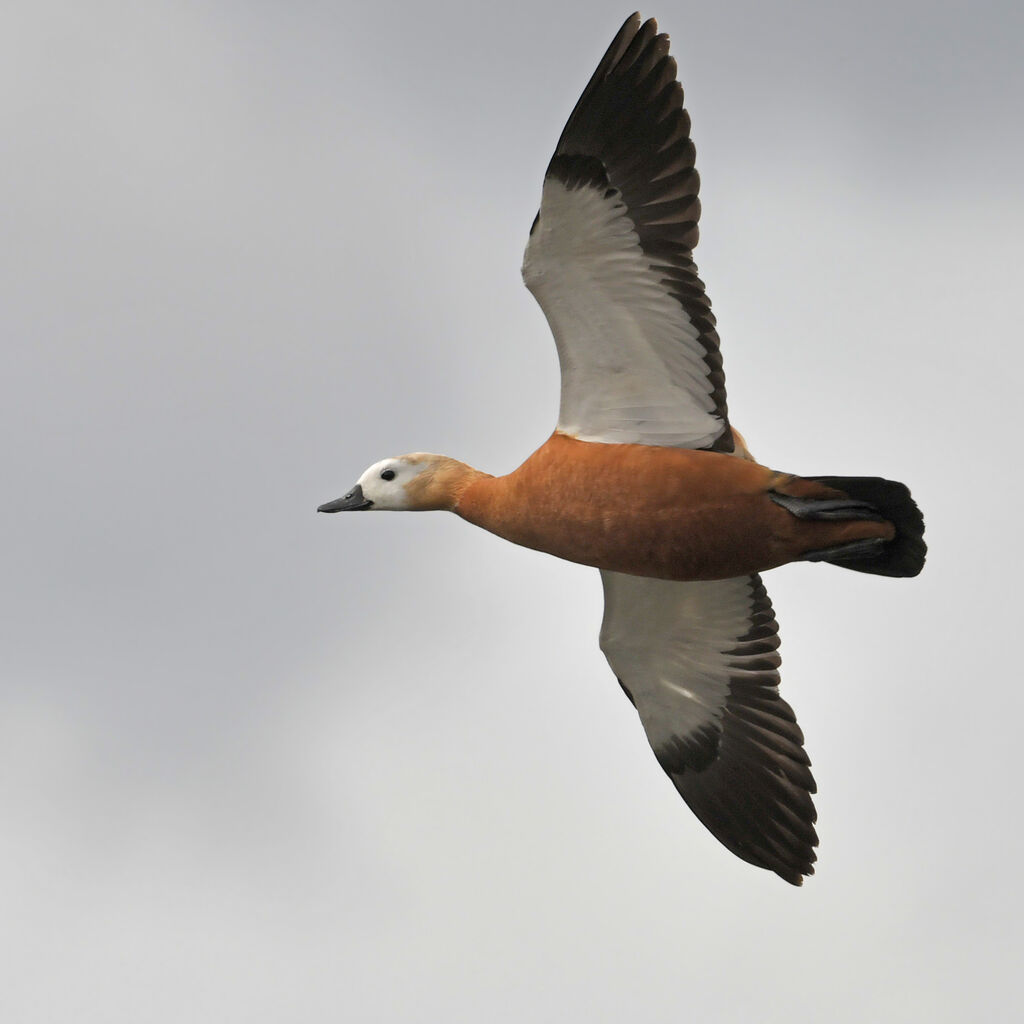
873,498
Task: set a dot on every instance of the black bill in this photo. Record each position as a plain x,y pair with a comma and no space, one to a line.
354,501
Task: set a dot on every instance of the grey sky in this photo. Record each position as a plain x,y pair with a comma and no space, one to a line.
260,765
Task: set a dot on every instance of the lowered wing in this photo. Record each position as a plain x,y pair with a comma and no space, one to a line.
700,663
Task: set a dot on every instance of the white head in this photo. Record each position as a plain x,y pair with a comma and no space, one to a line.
409,483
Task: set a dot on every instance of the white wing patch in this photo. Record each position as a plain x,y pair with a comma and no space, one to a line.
633,368
667,642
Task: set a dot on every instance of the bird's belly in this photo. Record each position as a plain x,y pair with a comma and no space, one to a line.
681,543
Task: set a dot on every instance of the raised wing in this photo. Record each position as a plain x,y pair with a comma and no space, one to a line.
610,260
700,663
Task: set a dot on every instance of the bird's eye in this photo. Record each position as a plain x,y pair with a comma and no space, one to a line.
387,474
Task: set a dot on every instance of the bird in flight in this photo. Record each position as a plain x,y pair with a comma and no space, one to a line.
644,477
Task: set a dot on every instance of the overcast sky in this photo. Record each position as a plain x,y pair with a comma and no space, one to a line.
261,765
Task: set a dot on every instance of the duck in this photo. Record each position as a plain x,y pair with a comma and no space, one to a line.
644,477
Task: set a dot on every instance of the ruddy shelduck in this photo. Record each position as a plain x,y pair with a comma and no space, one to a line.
645,479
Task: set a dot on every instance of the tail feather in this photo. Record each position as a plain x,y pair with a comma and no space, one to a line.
873,498
902,556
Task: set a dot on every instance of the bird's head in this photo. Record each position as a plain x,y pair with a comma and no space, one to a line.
419,482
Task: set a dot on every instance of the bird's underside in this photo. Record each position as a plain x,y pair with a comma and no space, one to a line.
668,513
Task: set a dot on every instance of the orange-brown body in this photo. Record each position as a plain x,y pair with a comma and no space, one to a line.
670,513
